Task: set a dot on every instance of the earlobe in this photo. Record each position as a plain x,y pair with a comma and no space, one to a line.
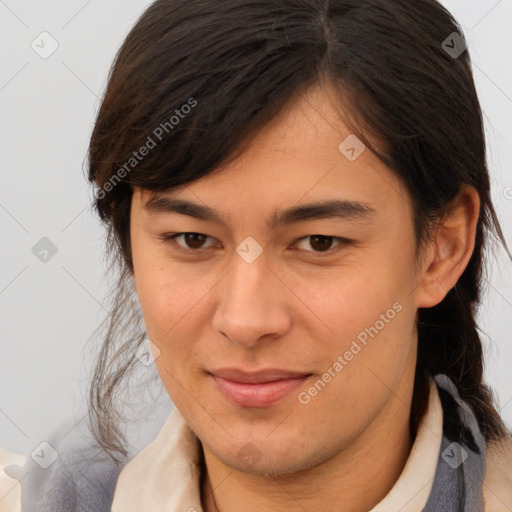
450,248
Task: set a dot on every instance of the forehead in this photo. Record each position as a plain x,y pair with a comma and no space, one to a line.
305,154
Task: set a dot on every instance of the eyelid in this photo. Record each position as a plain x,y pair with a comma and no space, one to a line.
171,237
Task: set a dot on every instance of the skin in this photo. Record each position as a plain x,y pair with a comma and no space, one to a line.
295,307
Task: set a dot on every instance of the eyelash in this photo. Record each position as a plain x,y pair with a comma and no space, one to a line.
170,237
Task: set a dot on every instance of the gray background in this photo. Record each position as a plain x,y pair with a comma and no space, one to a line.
49,309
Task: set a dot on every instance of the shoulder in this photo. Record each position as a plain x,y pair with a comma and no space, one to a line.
498,476
10,489
82,475
78,476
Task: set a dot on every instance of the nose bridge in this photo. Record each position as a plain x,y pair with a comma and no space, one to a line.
250,303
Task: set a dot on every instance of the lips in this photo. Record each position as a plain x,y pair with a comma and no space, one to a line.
257,389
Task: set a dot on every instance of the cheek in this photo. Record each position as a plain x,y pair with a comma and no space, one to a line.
170,316
367,319
346,301
165,295
171,308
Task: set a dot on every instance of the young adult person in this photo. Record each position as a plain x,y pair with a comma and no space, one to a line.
297,193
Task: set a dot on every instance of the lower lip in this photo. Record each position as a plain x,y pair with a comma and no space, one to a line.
258,395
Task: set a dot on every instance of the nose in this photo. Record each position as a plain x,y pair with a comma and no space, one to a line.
253,304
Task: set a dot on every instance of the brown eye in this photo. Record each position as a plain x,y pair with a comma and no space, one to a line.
194,240
191,242
322,243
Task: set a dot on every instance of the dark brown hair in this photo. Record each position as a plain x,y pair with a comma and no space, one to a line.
241,62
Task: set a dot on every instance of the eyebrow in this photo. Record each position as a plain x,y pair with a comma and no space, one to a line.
335,208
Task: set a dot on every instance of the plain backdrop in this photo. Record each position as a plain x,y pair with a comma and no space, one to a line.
48,105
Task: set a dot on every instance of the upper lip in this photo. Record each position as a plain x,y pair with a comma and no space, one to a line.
256,377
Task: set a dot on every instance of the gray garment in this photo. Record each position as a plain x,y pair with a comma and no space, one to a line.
83,478
460,472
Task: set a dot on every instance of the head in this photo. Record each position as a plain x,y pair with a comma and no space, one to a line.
249,110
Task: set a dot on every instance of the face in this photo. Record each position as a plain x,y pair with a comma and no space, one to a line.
282,338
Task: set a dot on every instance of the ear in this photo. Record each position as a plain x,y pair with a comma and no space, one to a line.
449,249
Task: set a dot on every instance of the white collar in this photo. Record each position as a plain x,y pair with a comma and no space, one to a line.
165,475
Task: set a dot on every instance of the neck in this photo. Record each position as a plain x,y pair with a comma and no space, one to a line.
359,476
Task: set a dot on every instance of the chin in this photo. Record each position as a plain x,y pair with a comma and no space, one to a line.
270,466
266,458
